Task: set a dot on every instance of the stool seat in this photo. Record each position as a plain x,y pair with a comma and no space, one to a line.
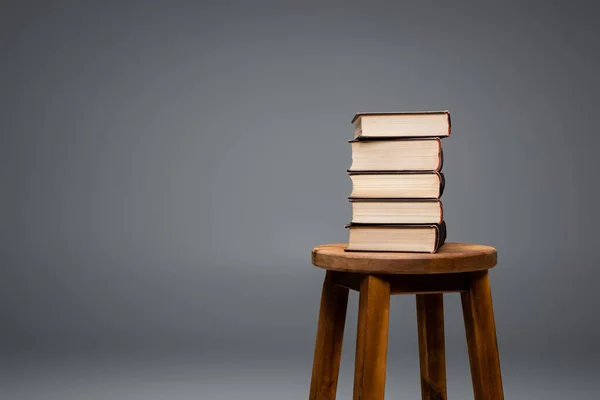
450,258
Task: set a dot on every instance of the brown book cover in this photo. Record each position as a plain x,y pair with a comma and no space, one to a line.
439,228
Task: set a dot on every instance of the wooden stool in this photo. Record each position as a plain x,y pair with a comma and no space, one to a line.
457,267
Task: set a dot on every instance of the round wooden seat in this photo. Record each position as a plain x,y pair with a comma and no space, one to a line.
451,257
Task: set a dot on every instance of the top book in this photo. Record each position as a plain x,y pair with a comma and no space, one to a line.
401,124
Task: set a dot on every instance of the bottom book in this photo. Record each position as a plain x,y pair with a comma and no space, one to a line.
396,237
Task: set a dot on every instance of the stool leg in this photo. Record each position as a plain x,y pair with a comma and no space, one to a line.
432,352
330,334
481,338
372,339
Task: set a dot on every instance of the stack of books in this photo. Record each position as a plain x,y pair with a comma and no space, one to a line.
397,182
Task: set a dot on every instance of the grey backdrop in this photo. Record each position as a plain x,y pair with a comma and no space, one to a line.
167,166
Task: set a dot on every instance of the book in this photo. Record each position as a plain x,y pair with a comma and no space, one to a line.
397,155
401,124
396,238
396,184
396,211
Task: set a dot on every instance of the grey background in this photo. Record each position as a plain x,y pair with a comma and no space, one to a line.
167,166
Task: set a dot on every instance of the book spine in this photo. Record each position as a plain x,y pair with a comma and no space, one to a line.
441,235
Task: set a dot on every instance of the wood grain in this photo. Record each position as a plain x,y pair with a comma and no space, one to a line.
432,351
450,258
372,339
481,338
328,346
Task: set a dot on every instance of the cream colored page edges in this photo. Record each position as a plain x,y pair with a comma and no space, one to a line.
396,212
390,239
395,155
408,125
405,186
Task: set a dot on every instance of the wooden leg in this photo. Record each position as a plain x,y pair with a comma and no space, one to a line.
432,354
372,339
330,334
481,338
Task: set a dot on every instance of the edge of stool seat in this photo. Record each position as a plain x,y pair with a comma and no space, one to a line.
452,257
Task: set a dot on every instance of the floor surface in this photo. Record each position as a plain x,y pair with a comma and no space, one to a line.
27,379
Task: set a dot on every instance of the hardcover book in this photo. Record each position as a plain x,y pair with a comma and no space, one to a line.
401,124
396,238
397,184
397,155
396,211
